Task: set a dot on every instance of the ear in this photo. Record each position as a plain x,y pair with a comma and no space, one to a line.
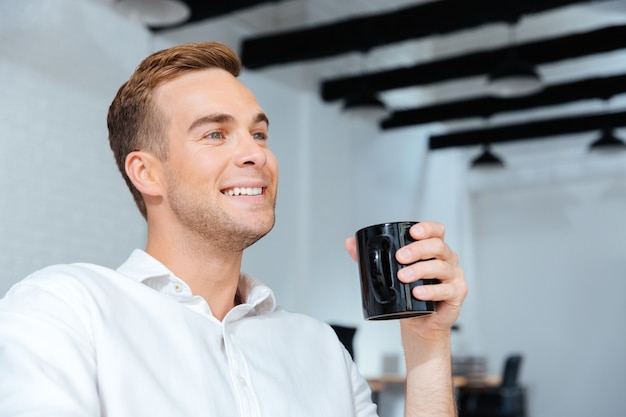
144,171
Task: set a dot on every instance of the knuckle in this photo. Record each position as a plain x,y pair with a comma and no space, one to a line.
441,246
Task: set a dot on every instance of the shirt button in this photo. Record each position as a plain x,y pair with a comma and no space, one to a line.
242,381
178,288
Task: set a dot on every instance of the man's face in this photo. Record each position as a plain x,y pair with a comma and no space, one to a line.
221,178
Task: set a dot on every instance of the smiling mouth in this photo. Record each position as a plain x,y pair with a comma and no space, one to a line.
243,191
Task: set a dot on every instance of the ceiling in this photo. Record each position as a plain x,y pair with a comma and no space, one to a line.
429,59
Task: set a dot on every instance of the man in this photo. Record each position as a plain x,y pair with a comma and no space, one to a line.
178,329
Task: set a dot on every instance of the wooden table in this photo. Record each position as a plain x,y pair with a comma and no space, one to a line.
378,384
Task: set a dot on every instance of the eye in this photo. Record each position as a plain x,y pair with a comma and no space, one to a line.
214,135
259,136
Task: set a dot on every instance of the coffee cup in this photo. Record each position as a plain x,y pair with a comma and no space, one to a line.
383,296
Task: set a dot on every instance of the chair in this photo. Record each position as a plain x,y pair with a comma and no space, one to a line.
505,400
346,337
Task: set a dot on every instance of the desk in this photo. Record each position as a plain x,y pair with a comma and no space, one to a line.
378,384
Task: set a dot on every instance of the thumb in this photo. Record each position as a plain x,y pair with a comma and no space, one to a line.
350,244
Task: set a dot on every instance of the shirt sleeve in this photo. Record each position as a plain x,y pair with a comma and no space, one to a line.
362,393
47,365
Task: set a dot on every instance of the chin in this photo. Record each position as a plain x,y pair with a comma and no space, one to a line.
265,230
254,234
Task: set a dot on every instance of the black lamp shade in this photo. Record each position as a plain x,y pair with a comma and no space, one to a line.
365,103
363,99
487,160
607,143
514,77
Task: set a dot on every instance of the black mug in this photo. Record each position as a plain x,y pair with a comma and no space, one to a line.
384,297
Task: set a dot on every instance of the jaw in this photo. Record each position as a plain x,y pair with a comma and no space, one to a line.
251,218
258,204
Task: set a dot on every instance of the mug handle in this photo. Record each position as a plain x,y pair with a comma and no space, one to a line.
381,262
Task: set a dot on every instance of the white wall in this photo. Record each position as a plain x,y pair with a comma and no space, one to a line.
62,199
550,251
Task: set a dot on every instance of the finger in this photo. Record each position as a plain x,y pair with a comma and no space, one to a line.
426,249
451,292
350,244
425,230
433,268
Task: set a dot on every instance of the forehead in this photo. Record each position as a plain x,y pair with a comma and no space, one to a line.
204,91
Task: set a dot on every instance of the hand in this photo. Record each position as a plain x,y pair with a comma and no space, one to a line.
426,339
438,261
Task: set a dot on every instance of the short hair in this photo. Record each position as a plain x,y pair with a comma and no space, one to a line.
135,122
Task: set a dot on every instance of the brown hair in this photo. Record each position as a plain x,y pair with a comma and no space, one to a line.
134,121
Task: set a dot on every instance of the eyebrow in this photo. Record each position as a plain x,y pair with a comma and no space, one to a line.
224,118
262,117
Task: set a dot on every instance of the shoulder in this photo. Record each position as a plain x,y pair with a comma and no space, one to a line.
63,282
298,325
64,275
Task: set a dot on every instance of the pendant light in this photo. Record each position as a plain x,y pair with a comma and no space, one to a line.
363,102
155,13
487,160
515,76
607,143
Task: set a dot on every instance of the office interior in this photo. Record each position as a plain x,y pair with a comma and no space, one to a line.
542,239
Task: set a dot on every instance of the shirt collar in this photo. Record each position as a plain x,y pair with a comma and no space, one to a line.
141,267
145,269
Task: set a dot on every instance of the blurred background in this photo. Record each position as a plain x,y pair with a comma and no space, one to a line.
540,228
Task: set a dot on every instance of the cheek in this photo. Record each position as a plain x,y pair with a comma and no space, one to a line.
272,162
207,166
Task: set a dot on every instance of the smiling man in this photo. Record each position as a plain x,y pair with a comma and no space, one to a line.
213,193
179,329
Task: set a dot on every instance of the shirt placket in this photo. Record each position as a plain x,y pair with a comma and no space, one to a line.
240,377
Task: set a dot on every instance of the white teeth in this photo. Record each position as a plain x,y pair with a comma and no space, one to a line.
243,191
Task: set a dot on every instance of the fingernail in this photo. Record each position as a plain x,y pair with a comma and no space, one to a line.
405,274
404,254
418,229
419,292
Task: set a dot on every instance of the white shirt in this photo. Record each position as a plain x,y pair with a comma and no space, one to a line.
84,340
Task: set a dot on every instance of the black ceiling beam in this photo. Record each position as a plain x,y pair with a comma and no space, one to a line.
480,63
592,88
366,32
527,131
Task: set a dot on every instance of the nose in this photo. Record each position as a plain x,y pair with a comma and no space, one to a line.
250,152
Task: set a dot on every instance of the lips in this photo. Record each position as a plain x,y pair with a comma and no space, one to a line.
234,191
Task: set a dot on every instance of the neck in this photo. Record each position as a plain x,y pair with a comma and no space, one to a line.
210,272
